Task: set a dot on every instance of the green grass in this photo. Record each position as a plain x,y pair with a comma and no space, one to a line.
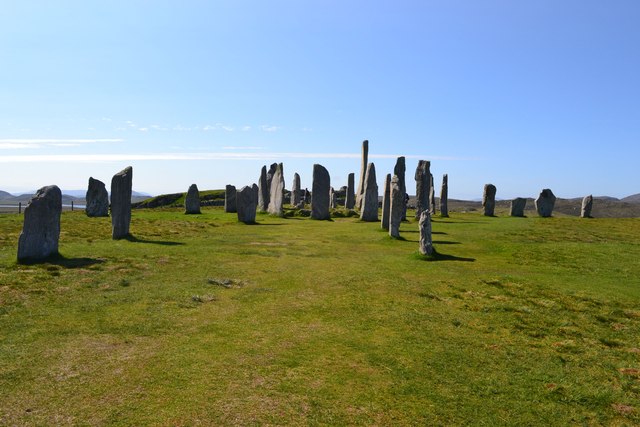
201,320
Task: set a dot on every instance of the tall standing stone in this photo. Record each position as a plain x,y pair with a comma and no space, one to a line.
333,198
320,193
545,203
517,206
350,196
587,204
121,203
423,179
263,191
426,244
246,205
192,200
230,205
444,196
296,194
386,203
276,194
400,170
397,207
363,173
489,199
270,174
97,199
256,193
41,227
369,211
432,195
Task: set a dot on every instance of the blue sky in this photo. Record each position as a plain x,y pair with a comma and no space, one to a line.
522,94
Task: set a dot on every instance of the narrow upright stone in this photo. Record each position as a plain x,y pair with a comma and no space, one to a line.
296,193
121,203
423,180
444,196
41,228
587,204
426,244
97,199
246,205
432,196
350,197
400,170
363,172
256,193
386,203
263,191
517,206
369,211
192,200
276,194
320,193
545,203
333,198
230,205
397,207
489,199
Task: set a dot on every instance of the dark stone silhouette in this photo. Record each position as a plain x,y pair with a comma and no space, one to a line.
41,227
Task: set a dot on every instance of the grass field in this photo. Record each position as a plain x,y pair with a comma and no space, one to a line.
201,320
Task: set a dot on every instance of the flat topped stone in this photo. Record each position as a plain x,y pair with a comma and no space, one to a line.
247,204
41,227
444,196
545,203
121,203
230,199
320,193
517,206
350,196
489,199
263,191
97,199
423,182
192,200
296,192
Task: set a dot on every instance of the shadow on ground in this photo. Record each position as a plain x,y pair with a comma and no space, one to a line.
135,239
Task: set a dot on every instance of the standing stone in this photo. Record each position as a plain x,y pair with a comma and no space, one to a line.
276,194
97,199
363,172
545,203
41,227
246,205
444,196
296,194
386,203
333,198
270,174
432,196
397,207
121,203
230,205
399,170
263,191
320,193
350,197
489,199
426,244
256,192
587,204
423,180
517,206
192,200
369,211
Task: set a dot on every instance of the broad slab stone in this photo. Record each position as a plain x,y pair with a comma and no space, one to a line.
263,191
230,199
246,205
587,204
121,203
363,173
369,211
545,203
276,194
296,193
97,199
423,179
432,195
192,200
444,196
41,227
426,244
386,203
400,170
320,193
350,197
489,199
397,208
517,206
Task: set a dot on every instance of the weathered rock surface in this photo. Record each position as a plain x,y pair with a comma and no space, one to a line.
386,203
97,199
296,193
320,193
517,206
397,208
121,203
587,205
489,199
41,228
400,170
432,195
230,205
350,197
256,193
192,200
363,173
333,198
276,194
423,179
444,196
246,204
263,191
545,203
369,211
426,244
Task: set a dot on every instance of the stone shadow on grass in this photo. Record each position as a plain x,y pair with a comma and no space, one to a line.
134,239
438,256
63,261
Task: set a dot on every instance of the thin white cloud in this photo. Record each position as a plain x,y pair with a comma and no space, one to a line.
143,129
267,128
230,147
30,143
228,128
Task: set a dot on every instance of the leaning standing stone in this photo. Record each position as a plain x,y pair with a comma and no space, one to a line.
350,197
397,208
41,227
489,199
423,180
295,190
192,200
246,205
276,194
386,203
369,211
230,199
399,170
444,196
545,203
517,206
97,199
587,204
121,203
263,191
363,173
426,244
320,193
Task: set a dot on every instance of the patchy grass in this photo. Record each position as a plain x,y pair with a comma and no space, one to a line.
200,319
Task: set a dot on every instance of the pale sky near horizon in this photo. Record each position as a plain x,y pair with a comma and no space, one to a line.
522,94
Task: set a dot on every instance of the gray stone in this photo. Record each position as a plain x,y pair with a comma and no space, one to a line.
192,200
444,196
121,203
432,196
517,206
41,227
296,193
256,193
489,199
397,208
320,193
363,173
426,244
369,211
97,199
400,170
270,173
350,196
545,203
276,193
263,191
386,203
423,180
246,203
230,205
333,198
587,205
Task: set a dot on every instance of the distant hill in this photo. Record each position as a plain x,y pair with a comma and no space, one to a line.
6,196
635,198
